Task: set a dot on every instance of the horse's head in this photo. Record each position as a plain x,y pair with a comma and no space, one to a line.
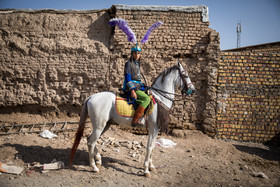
186,84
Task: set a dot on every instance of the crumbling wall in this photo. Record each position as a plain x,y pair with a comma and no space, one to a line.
52,58
55,59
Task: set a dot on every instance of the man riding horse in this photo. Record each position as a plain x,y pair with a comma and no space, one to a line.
102,111
133,85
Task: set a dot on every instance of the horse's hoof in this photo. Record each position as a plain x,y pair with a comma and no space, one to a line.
152,169
148,175
98,165
95,170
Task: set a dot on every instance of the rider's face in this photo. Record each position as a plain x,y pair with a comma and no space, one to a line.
136,55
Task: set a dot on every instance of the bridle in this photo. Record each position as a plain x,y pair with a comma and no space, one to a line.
185,89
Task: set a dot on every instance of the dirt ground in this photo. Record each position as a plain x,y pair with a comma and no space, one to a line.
196,160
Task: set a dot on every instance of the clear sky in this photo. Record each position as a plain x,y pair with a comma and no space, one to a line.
260,19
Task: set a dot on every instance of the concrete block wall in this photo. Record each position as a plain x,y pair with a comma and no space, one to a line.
249,96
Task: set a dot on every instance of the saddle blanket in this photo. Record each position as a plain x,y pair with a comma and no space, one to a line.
127,110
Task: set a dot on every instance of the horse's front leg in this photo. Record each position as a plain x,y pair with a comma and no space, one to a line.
148,165
97,157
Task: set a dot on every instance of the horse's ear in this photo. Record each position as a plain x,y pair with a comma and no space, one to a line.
179,64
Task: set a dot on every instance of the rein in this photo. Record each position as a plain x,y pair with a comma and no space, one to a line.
161,92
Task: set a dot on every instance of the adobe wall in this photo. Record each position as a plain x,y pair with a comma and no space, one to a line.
249,97
54,59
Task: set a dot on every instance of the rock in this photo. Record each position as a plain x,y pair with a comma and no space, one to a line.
178,133
126,144
260,175
79,80
136,145
245,167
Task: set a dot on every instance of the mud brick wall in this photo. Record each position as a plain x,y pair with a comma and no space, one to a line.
249,97
52,60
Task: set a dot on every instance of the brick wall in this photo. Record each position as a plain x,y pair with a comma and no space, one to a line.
273,47
249,96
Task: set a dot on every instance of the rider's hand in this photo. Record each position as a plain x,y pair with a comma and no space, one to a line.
133,94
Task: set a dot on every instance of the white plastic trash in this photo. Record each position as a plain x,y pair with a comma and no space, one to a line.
48,134
10,169
54,165
165,143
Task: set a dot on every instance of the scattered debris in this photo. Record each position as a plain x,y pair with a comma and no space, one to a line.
108,141
10,169
35,166
37,128
53,166
126,143
260,175
244,167
48,134
165,143
136,145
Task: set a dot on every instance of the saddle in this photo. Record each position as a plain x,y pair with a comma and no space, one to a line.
127,110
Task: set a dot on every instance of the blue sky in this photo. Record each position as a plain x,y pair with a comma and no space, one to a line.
260,19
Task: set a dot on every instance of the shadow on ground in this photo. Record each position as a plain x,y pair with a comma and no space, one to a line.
272,154
30,154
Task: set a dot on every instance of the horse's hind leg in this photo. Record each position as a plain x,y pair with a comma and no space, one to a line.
97,156
92,150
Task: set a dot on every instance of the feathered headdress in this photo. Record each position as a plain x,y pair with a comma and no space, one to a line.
150,30
123,25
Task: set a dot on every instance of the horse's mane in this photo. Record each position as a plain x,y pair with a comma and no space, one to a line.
164,73
163,112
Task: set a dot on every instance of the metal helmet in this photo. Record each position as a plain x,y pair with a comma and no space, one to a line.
135,48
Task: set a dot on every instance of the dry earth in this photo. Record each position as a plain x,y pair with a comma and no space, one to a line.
196,160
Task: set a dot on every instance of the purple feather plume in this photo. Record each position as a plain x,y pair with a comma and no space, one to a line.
122,24
150,30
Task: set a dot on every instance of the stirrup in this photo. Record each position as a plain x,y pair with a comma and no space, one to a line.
138,124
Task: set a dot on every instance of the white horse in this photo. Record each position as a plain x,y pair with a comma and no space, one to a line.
102,112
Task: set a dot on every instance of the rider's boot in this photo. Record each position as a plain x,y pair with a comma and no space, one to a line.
137,115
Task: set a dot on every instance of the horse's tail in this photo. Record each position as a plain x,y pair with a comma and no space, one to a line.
79,132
